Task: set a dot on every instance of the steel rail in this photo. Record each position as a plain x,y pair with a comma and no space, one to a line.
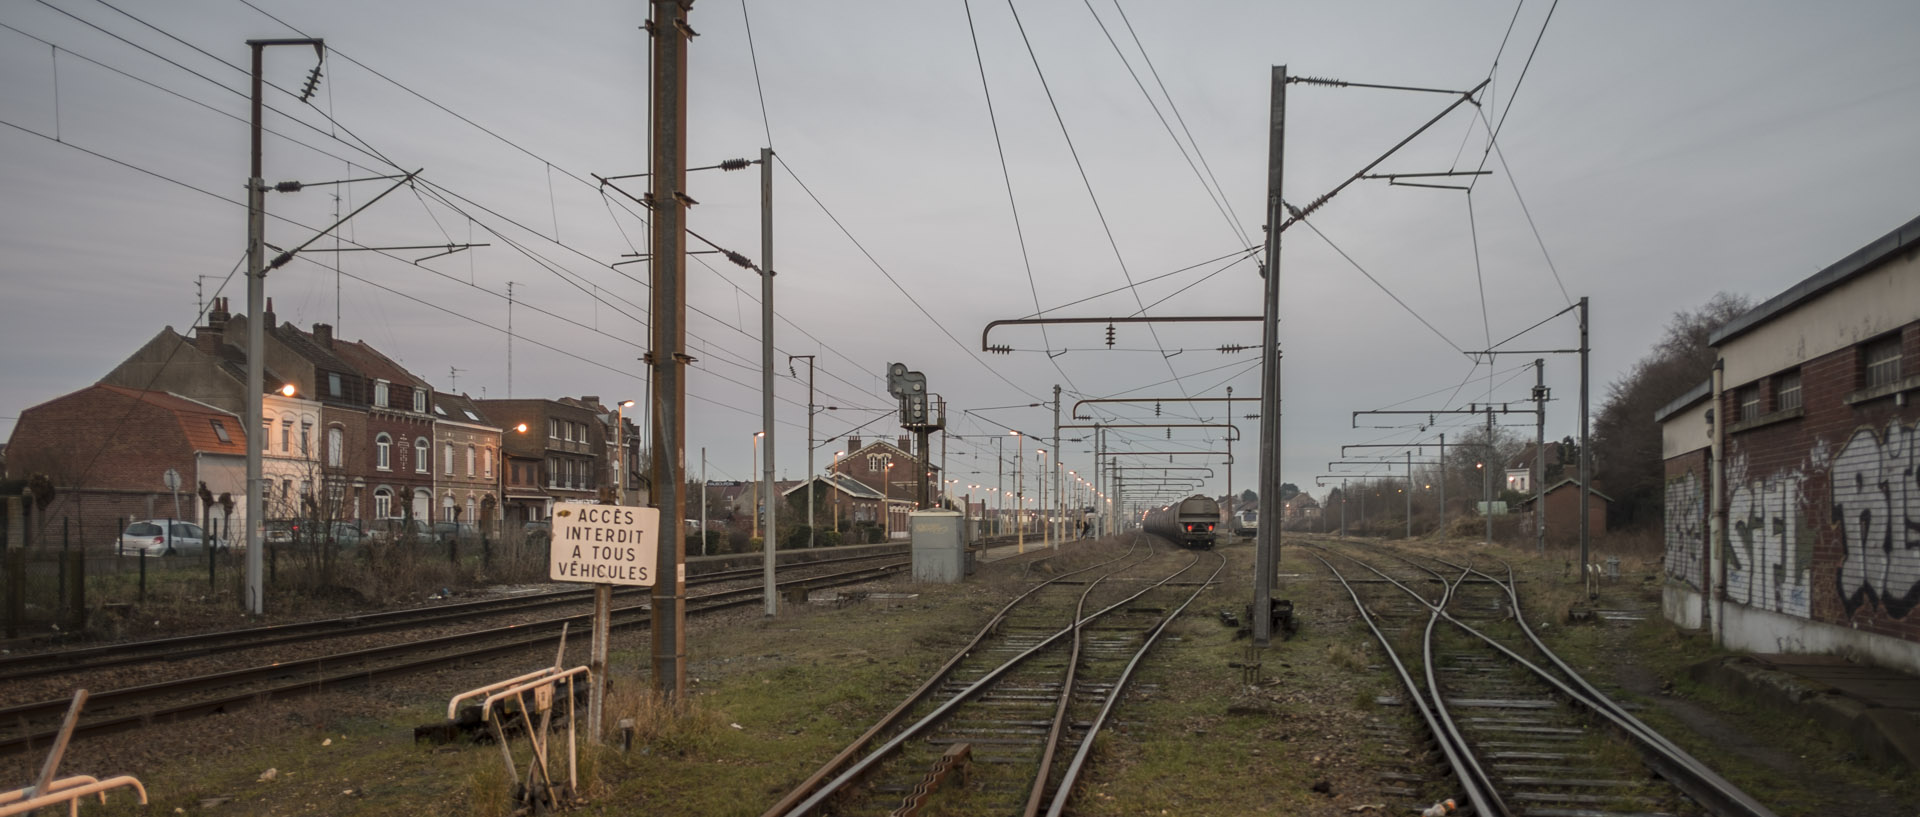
1419,698
1064,791
174,648
1051,747
1688,774
855,770
636,615
833,766
1495,804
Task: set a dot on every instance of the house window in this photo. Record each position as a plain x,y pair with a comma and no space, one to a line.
220,431
422,455
380,393
553,429
306,431
420,400
446,507
382,504
286,436
333,384
566,428
553,471
1882,356
873,462
1748,398
446,454
1786,391
383,452
470,458
470,515
489,461
336,441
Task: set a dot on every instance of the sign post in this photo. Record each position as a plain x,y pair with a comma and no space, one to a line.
603,545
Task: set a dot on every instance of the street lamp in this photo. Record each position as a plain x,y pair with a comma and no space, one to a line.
620,430
287,390
754,509
834,469
1019,493
886,500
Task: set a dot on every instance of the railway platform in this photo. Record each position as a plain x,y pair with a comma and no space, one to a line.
1876,708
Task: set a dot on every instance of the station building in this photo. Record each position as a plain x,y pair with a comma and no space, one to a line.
1793,474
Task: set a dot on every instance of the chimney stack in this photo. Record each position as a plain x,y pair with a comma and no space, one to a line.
270,324
323,335
853,443
906,443
208,338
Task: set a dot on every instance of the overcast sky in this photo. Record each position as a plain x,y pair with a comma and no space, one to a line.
1664,151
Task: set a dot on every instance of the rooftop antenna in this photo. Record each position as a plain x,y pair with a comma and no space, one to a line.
453,379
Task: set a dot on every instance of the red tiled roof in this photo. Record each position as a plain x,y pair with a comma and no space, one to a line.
196,420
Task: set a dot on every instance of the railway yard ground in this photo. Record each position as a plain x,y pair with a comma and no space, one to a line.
1209,726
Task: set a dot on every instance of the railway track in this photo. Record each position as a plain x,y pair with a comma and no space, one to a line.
1006,725
29,726
177,648
1518,731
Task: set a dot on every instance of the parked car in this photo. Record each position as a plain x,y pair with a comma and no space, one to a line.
160,537
463,532
346,534
399,530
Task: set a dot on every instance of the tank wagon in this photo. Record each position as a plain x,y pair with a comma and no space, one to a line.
1189,522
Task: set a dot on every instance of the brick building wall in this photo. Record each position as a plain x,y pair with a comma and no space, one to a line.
1821,500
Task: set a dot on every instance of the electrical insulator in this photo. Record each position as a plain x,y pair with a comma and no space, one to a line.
1156,409
735,164
313,83
1169,433
1109,336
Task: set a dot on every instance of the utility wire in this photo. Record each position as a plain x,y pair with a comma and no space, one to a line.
1006,176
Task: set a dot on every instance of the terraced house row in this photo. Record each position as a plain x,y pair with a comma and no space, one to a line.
347,434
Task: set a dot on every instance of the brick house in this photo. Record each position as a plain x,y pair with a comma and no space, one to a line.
890,469
1807,430
399,441
564,440
1562,512
466,479
107,449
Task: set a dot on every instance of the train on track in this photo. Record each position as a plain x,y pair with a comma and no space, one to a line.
1189,522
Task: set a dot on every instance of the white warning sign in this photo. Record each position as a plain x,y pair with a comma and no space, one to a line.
604,544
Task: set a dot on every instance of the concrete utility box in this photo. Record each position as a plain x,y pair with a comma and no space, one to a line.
939,554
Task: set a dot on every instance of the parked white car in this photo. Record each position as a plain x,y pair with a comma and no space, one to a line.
162,537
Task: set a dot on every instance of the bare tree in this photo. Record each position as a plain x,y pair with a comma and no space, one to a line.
1626,440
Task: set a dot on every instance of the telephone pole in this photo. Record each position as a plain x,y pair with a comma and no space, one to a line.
668,358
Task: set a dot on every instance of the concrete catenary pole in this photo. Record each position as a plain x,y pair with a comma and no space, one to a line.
1486,477
1586,455
1059,455
771,498
668,357
1443,487
1266,559
256,329
256,338
1540,454
810,475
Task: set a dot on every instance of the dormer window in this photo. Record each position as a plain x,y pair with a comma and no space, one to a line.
420,400
333,384
380,393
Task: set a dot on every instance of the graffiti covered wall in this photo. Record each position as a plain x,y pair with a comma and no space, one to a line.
1876,506
1769,545
1686,529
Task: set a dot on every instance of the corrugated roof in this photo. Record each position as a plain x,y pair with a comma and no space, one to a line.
1855,264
